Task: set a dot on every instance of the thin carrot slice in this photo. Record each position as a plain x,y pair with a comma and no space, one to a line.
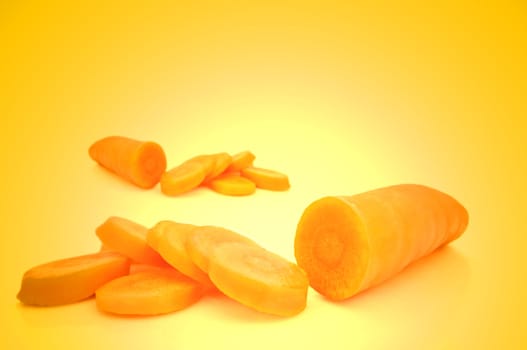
128,238
70,280
232,185
149,292
170,238
182,178
221,162
259,279
348,244
202,242
241,161
266,179
139,162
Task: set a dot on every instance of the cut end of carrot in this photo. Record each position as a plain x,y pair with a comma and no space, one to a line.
331,247
149,164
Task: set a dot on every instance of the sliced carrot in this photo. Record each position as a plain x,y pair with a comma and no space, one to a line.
349,244
70,280
139,162
128,238
266,179
241,161
182,178
259,279
149,292
170,238
202,242
221,162
232,185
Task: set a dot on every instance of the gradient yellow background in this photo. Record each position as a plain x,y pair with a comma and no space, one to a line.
342,96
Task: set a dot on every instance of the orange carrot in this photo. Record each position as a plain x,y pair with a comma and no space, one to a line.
259,279
128,238
266,179
169,239
152,291
139,162
232,185
349,244
182,178
203,240
241,161
221,162
70,280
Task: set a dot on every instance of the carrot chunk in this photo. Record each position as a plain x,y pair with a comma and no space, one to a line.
241,161
232,185
128,238
266,179
259,279
152,291
70,280
140,162
348,244
170,239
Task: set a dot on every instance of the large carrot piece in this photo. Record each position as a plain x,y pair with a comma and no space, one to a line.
70,280
259,279
348,244
128,238
139,162
152,291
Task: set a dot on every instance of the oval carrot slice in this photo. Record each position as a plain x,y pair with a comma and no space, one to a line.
170,240
221,162
348,244
148,292
70,280
182,178
140,162
241,161
266,179
259,279
232,185
202,242
128,238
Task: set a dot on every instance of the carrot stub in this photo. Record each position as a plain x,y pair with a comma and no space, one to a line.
266,179
152,291
259,279
140,162
349,244
70,280
232,185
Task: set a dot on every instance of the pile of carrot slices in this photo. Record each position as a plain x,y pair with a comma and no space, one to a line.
166,268
144,164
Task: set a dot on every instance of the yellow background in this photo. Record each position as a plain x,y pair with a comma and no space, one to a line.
342,96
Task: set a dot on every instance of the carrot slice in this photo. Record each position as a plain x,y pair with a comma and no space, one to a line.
182,178
349,244
232,185
241,161
259,279
221,162
203,240
266,179
170,238
70,280
149,292
128,238
140,162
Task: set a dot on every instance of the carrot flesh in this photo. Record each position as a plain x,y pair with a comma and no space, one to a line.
140,162
348,244
170,238
266,179
182,178
232,185
222,161
128,238
259,279
70,280
241,161
152,291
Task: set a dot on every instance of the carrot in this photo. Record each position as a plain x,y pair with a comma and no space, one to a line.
203,240
182,178
139,162
170,239
266,179
232,185
259,279
128,238
241,161
349,244
152,291
70,280
221,162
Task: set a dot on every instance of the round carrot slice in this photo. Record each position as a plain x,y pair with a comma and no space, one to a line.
266,179
232,185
